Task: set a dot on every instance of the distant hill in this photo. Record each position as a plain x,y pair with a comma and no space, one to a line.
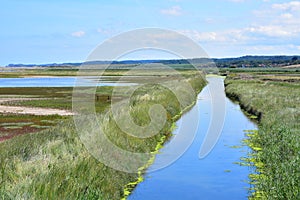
244,61
258,61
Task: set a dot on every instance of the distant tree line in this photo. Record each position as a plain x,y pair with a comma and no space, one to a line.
240,62
257,61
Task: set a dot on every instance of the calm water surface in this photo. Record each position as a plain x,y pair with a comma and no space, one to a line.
213,177
54,82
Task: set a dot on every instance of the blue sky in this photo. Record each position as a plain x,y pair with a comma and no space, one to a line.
44,31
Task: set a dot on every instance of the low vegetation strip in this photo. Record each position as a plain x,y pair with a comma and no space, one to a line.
54,164
276,145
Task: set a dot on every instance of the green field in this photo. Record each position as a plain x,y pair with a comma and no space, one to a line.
276,146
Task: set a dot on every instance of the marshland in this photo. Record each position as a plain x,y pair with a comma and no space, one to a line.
150,100
43,156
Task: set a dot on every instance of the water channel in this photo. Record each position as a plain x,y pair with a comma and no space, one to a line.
216,176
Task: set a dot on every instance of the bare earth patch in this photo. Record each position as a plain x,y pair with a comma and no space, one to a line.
31,111
291,66
12,133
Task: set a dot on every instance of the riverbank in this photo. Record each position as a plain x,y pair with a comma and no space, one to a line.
54,164
275,146
164,139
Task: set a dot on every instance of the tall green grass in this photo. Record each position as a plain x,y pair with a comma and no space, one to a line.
54,164
276,146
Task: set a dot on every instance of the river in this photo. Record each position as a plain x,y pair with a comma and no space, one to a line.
214,176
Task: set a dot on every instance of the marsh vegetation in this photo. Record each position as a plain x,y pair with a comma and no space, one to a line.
54,164
274,101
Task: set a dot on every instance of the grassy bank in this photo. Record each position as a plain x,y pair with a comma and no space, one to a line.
276,149
54,164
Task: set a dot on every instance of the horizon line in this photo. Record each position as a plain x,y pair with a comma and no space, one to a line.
154,59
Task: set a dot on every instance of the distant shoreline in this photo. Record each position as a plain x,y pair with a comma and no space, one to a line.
246,60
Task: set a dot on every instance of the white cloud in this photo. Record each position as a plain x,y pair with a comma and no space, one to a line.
249,35
286,16
227,36
174,11
78,34
279,20
292,5
275,29
271,30
236,36
202,36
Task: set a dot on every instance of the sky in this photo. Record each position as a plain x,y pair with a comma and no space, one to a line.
57,31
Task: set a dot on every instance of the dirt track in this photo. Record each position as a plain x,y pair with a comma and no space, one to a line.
28,110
